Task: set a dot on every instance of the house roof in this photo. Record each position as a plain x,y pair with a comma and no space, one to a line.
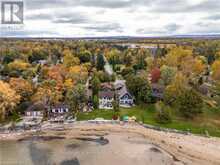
60,106
109,94
36,107
123,91
107,86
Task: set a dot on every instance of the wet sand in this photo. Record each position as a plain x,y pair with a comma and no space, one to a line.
128,144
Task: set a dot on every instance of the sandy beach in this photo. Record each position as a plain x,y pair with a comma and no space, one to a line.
184,149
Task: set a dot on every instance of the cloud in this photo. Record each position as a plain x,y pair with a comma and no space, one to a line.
73,18
118,17
39,16
106,27
172,27
214,17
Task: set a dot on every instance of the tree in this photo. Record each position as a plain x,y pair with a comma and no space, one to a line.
140,88
115,103
69,60
216,70
95,100
37,54
198,67
100,62
175,89
128,58
113,57
95,85
8,100
167,74
76,98
85,56
163,114
22,87
177,56
78,73
48,94
18,65
155,75
190,103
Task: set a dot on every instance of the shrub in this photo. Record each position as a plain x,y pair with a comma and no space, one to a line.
163,114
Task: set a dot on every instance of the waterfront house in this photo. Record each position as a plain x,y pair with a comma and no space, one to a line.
35,111
106,99
58,110
125,98
109,91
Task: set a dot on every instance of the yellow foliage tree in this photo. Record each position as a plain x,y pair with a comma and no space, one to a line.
22,87
8,99
198,66
216,70
69,60
18,65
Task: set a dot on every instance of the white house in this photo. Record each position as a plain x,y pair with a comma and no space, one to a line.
35,111
109,91
125,98
59,110
106,99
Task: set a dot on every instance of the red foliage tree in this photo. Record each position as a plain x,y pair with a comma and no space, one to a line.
155,75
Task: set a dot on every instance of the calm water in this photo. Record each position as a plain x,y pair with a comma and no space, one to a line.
120,150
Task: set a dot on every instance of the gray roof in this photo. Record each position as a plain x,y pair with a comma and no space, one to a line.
36,107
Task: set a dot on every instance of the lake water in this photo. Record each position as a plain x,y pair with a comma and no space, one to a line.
113,150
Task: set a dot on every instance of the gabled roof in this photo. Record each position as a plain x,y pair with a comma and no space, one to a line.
109,94
36,107
58,106
108,86
123,92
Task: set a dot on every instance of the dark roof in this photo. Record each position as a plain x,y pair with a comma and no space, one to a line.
36,107
58,106
109,94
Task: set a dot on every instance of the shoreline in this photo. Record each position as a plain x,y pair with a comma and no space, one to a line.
189,149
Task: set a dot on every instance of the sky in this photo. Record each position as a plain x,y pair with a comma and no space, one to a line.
93,18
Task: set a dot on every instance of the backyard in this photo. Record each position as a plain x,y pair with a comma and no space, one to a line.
207,122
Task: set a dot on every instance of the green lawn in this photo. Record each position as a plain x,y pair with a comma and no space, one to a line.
146,114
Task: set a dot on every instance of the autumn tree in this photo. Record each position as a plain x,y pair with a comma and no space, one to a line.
48,94
167,74
175,89
8,100
18,65
22,87
113,57
155,75
69,60
198,67
216,70
76,98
